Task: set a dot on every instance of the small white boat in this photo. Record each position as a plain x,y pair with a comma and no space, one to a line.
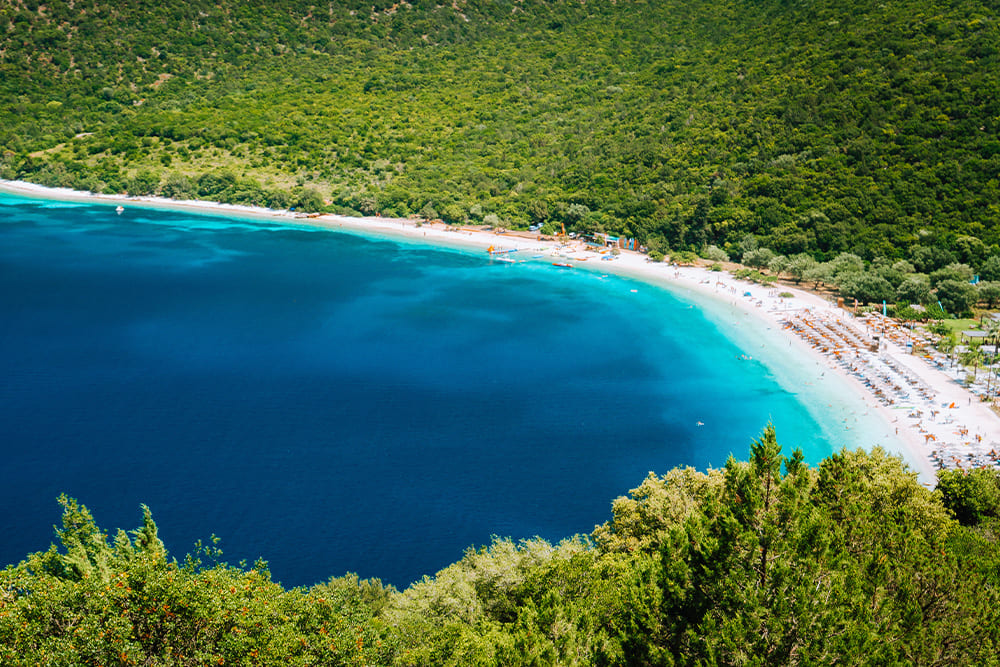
119,210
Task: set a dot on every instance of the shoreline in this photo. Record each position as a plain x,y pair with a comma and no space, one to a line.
915,410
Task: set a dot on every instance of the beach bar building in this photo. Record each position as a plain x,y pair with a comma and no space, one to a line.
620,242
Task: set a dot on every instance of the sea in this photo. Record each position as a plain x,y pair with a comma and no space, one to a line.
331,402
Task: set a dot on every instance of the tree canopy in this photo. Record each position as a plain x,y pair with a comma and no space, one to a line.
818,127
766,561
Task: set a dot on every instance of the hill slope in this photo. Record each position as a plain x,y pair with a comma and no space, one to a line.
823,126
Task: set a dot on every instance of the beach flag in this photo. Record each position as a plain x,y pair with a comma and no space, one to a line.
883,308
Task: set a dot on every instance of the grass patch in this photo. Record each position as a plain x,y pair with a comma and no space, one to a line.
958,326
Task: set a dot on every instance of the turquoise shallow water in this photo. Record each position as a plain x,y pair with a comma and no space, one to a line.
335,403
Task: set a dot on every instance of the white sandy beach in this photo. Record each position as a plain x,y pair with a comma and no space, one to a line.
923,412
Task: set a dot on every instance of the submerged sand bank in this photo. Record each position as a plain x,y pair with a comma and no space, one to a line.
898,401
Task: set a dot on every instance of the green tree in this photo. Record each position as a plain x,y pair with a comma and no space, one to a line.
914,289
990,269
778,265
642,521
800,265
143,183
972,356
758,258
957,297
989,292
909,564
178,186
954,272
86,601
973,496
147,540
928,259
867,288
819,274
845,264
970,250
310,200
715,254
428,212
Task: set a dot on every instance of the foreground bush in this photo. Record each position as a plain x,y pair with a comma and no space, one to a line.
762,562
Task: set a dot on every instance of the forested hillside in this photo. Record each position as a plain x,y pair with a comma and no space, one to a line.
763,562
819,127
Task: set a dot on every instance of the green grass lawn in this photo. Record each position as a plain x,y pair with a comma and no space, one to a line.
958,326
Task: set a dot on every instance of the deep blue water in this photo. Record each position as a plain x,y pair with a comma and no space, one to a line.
333,403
